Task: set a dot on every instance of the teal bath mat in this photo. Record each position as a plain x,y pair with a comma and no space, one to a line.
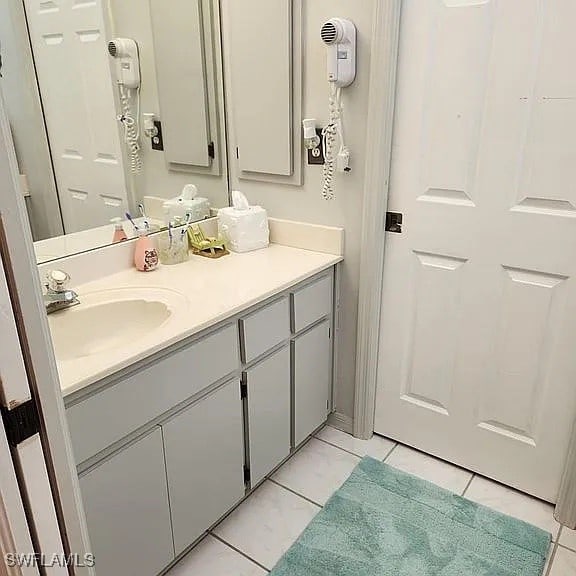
383,522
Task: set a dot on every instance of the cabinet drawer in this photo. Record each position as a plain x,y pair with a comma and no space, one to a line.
108,416
311,303
264,329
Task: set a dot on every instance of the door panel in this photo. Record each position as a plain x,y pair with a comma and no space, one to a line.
204,463
131,535
69,41
479,294
312,372
269,413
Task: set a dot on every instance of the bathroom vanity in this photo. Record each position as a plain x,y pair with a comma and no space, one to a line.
168,444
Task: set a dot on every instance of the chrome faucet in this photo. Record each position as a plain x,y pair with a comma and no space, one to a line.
58,296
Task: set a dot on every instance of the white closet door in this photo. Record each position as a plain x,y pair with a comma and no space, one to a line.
14,391
72,62
477,362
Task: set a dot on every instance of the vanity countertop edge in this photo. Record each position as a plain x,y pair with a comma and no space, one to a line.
225,288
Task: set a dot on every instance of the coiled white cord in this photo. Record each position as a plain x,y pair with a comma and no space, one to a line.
131,129
330,134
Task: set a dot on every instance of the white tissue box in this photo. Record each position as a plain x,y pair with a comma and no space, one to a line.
186,206
197,209
244,230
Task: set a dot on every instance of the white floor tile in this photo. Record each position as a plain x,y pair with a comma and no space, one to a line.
429,468
267,524
377,447
212,558
564,563
568,538
317,471
513,503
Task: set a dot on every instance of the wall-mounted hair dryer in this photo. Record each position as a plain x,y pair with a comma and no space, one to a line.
125,53
339,35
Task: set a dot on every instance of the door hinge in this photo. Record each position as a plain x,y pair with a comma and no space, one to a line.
21,422
243,386
247,475
211,150
394,222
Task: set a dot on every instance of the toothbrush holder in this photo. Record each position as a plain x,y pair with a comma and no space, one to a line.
173,247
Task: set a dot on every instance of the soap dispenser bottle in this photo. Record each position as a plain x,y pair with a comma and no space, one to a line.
145,253
119,233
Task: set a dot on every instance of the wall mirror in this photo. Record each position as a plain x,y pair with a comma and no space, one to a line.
99,127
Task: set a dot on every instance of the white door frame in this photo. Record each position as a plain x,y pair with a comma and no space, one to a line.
385,35
44,380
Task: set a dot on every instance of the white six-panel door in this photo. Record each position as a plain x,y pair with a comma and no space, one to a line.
70,52
478,331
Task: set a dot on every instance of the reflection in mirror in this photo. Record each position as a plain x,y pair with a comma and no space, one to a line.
113,104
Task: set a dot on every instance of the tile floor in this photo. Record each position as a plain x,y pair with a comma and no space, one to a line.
253,538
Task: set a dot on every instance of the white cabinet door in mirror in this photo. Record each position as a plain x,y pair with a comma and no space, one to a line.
262,58
182,81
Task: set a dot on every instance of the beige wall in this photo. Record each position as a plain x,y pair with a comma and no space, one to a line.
132,19
305,203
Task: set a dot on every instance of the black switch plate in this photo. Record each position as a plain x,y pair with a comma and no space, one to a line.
316,156
157,141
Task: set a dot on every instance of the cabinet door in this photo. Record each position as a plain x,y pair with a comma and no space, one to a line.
126,504
269,413
312,376
205,463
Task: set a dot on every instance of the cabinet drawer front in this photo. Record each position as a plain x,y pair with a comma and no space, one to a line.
264,329
311,303
108,416
127,510
204,463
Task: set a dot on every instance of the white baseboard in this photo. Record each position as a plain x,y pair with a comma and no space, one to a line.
341,422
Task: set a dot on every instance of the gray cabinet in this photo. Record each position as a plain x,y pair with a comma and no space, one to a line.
148,499
268,400
204,463
126,504
312,360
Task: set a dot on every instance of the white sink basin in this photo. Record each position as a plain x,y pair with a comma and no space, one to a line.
111,320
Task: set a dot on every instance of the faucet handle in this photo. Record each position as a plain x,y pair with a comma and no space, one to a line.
57,280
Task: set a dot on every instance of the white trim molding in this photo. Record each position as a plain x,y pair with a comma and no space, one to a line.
340,422
380,125
565,511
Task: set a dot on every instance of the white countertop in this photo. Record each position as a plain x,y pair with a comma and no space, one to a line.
212,290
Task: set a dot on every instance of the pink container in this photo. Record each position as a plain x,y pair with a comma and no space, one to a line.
145,253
